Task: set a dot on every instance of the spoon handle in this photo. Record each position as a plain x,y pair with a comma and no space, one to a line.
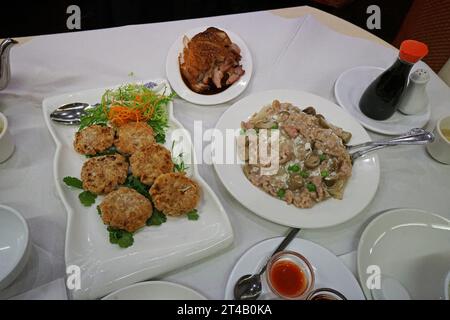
414,136
291,235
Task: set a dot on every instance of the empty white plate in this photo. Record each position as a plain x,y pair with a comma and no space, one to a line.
350,86
410,250
14,245
155,290
177,83
329,270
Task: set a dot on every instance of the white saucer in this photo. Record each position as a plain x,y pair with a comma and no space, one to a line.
155,290
411,250
330,271
14,245
177,83
348,90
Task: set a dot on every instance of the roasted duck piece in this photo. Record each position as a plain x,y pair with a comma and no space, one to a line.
210,62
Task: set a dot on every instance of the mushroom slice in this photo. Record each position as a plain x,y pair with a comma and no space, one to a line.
323,123
330,181
295,182
337,190
346,136
312,161
310,110
266,124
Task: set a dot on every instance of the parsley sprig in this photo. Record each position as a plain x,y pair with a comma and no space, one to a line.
87,198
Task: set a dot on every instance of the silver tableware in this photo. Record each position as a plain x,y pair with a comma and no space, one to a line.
70,113
416,136
249,286
5,68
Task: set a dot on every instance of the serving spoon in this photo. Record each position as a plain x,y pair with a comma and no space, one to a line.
70,113
249,286
416,136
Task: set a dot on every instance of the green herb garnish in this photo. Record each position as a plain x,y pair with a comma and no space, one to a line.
73,182
157,218
311,187
322,157
294,168
99,211
134,183
121,237
193,215
107,152
275,126
281,193
304,174
178,162
94,115
87,198
324,174
137,97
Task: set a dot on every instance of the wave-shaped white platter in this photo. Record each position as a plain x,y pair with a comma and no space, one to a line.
156,250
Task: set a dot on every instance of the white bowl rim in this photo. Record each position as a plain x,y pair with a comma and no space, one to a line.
3,119
150,282
439,129
24,248
382,215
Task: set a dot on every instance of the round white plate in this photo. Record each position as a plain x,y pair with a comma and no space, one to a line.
155,290
411,248
350,86
177,83
360,189
14,245
330,272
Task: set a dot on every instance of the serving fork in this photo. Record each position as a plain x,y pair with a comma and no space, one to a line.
416,136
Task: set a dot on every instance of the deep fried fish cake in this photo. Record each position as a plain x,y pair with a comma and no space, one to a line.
125,209
175,194
93,139
150,162
104,173
133,136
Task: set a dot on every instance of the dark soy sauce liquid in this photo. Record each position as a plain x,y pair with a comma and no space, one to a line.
381,98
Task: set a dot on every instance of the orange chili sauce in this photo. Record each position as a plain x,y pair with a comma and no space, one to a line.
288,279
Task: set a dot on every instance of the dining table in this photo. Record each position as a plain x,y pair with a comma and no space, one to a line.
298,48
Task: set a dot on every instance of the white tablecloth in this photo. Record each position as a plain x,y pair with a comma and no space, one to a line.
287,53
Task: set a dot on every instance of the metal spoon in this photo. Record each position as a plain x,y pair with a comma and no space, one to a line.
249,287
70,113
415,136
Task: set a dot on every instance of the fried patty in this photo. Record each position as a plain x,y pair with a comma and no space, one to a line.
150,162
133,136
175,194
93,139
104,173
125,209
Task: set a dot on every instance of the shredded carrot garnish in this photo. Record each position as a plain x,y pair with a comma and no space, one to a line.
119,114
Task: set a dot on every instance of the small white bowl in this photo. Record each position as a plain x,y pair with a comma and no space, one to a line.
439,149
6,143
14,245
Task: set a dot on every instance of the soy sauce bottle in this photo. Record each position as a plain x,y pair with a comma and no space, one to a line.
381,98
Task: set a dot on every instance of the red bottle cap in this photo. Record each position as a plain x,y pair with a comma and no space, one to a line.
412,51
